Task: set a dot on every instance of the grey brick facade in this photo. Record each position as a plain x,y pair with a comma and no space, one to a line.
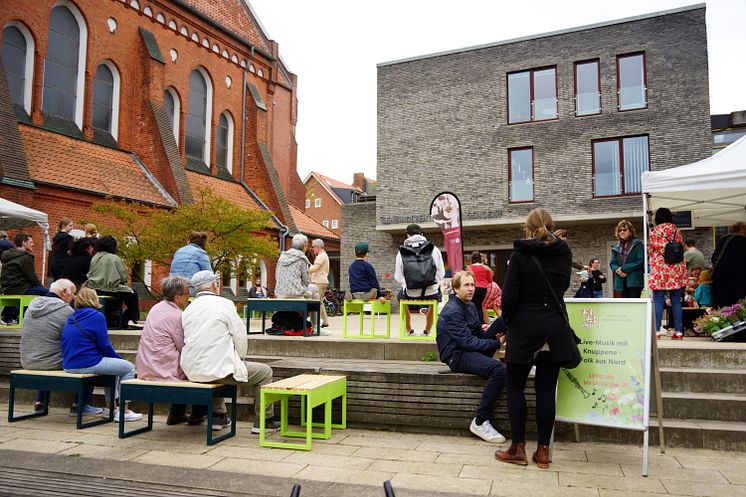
442,126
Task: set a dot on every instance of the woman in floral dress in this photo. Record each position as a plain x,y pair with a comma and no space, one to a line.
667,281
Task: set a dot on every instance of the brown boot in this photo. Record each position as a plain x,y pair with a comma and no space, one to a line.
516,454
541,456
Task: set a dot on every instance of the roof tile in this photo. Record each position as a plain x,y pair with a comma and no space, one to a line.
229,190
309,226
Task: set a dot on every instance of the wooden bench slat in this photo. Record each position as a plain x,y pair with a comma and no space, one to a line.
303,382
63,374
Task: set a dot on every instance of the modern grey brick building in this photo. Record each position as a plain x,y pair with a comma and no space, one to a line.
565,120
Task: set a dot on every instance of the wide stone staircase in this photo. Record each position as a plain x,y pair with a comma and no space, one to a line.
390,387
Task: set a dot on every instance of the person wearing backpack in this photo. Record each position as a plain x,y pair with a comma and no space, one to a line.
667,270
419,269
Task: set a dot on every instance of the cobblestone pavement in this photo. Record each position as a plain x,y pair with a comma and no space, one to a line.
353,462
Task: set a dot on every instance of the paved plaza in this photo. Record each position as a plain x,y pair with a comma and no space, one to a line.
356,462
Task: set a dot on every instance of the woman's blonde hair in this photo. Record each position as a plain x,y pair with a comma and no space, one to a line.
539,225
87,297
625,224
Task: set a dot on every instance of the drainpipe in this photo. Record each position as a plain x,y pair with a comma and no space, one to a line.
284,231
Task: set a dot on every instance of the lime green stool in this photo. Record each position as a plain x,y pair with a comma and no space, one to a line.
376,307
20,301
402,327
313,391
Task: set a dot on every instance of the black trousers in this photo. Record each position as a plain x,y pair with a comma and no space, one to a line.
545,385
130,301
478,299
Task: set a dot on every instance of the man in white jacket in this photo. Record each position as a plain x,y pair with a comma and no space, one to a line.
215,340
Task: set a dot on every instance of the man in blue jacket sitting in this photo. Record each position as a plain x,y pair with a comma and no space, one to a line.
467,348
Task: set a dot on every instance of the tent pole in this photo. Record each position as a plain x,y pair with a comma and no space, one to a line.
645,234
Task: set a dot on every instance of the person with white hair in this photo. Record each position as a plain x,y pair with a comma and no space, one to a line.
41,333
215,342
292,279
319,272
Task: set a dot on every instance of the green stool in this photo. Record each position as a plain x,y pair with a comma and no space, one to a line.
20,301
313,391
375,307
402,309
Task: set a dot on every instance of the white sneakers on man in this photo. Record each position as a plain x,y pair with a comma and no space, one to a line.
486,432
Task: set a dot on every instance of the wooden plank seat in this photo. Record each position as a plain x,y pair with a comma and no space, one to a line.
60,381
177,392
264,306
313,391
20,301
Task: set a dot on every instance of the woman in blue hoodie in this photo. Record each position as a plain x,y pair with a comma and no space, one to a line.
86,347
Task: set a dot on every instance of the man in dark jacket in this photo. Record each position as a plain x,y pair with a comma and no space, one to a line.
18,276
467,348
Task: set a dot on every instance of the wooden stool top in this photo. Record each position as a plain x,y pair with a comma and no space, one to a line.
304,382
59,373
184,384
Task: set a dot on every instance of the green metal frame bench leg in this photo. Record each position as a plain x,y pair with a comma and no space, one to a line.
160,392
56,383
20,301
376,307
309,399
433,332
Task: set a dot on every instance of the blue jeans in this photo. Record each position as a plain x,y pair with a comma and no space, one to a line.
659,299
599,294
11,312
124,370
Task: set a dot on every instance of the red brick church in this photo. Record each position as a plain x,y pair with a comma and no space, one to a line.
148,101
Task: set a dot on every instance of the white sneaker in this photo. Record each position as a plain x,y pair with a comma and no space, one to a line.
486,432
128,416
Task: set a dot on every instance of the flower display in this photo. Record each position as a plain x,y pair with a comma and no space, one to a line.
718,319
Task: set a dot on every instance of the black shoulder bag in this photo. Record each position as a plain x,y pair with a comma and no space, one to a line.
575,358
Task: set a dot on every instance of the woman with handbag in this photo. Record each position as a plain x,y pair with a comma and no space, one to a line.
538,332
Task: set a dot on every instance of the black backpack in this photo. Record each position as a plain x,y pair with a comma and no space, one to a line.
419,266
673,252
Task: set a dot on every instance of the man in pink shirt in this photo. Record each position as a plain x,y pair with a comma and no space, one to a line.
161,342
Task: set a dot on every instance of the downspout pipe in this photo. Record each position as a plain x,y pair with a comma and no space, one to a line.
284,231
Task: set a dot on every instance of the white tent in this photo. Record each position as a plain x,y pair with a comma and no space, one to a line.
13,216
713,189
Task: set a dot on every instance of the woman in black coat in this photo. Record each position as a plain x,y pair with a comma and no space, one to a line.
61,247
729,262
537,332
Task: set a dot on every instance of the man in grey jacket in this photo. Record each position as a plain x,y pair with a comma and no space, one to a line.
41,334
292,280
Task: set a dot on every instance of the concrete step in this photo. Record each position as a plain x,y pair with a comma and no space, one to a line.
703,380
703,354
710,406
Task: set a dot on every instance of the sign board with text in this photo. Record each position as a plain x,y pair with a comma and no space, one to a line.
611,387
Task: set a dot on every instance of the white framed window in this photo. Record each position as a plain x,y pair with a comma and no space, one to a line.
198,117
317,202
173,108
335,224
308,203
18,59
224,142
105,109
64,65
325,223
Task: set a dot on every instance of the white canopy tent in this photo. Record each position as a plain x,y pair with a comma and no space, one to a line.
14,216
713,189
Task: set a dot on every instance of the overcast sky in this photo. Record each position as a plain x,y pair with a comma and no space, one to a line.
334,45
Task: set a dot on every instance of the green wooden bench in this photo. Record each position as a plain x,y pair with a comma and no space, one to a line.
313,391
376,307
20,301
433,304
59,381
177,392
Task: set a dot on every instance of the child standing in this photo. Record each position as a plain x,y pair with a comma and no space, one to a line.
703,293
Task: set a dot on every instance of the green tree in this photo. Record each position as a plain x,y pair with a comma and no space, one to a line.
146,232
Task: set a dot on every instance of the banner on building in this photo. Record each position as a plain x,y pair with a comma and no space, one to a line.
445,211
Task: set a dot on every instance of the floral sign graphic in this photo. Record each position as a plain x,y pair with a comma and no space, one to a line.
610,387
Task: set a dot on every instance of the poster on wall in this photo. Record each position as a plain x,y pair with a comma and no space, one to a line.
445,211
611,387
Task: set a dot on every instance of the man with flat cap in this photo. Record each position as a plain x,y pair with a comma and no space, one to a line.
362,277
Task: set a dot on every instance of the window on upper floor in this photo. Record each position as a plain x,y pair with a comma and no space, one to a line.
18,60
618,164
308,203
587,88
521,174
317,202
64,66
335,224
325,223
632,89
197,136
105,109
224,145
173,109
532,95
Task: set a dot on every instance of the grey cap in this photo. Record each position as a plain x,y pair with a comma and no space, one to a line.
203,277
